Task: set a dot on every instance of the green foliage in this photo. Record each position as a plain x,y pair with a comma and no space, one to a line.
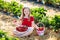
55,22
38,13
15,8
6,6
12,7
4,36
53,2
1,4
45,21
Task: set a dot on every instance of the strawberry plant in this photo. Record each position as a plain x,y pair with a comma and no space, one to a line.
12,7
55,22
47,1
15,9
6,6
1,4
45,21
38,13
4,36
53,2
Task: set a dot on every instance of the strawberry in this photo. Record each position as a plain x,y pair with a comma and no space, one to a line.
21,29
40,29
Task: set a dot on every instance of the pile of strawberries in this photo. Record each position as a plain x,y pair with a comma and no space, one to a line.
40,28
21,28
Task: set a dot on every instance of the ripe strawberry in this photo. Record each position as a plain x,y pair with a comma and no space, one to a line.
21,29
40,28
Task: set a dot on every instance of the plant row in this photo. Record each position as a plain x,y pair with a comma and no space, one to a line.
4,36
55,3
50,22
11,7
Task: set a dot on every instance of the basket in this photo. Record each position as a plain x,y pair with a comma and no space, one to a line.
41,28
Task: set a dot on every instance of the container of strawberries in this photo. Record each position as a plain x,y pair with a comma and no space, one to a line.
19,27
22,28
41,28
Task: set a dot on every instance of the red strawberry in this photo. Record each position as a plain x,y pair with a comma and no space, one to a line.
40,29
21,29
